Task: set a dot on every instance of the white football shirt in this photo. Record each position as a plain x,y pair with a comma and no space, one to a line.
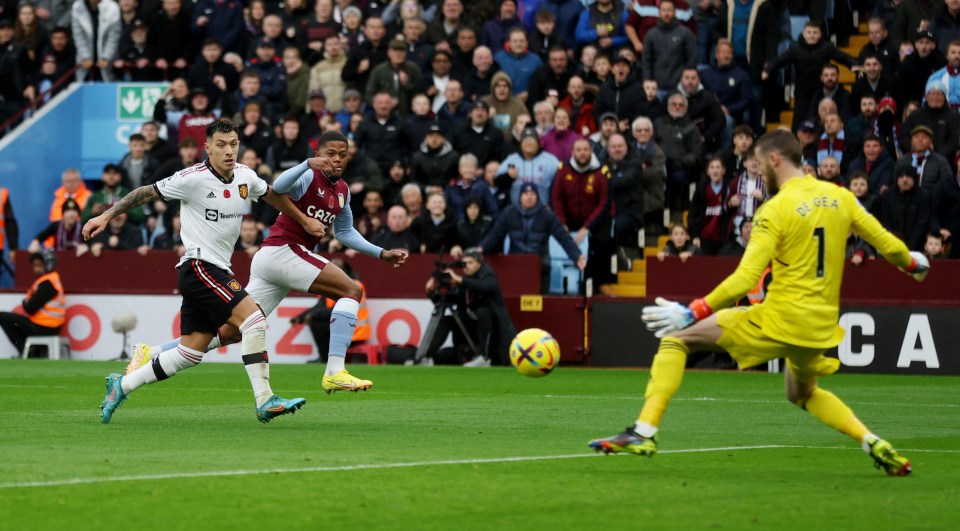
211,209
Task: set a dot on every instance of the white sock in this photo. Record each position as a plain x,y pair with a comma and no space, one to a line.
256,363
335,364
644,430
168,363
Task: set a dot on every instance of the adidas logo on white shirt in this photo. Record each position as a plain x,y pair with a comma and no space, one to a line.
211,195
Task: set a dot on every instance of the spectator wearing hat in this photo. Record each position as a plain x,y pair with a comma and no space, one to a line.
949,75
504,106
496,31
668,48
434,166
382,135
930,166
135,57
888,126
351,105
193,124
518,62
397,77
64,234
298,79
362,59
326,75
916,68
943,120
273,77
211,73
905,209
808,135
172,38
530,165
97,42
455,110
222,19
945,218
310,126
609,125
112,191
478,136
945,25
875,162
913,16
620,93
529,223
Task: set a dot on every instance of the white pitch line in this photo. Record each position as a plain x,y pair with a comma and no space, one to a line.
343,468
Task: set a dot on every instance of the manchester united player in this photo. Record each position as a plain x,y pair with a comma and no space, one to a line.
286,259
213,196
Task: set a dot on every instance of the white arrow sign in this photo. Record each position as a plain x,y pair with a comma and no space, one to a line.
130,102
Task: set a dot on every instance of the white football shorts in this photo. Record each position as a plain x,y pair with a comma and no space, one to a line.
277,269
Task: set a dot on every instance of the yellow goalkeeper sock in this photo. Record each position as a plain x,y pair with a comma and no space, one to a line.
666,374
834,413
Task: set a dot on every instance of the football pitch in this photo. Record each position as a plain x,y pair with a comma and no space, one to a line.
454,448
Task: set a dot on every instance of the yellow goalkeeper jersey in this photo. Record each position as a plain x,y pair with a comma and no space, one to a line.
802,233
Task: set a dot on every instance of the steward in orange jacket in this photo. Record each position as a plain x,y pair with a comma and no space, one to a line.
44,307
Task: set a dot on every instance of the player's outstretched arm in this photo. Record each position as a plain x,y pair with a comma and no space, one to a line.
346,234
138,197
889,246
668,317
283,203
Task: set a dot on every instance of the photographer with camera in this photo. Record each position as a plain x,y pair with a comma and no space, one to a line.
478,316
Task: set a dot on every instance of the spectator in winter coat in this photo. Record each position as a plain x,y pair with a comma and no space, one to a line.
435,165
478,135
875,162
949,75
905,208
620,94
945,218
371,52
916,68
273,76
625,190
495,32
940,118
106,31
881,45
683,145
221,19
193,124
602,24
732,86
668,48
172,38
644,16
518,63
931,167
381,135
553,76
503,105
326,75
470,187
530,225
530,165
945,25
212,74
704,110
653,161
435,229
580,106
473,226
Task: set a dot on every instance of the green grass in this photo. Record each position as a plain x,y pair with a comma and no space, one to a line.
202,423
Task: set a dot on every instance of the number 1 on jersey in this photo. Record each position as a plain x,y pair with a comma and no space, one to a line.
820,235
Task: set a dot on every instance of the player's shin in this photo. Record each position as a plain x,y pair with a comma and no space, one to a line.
163,366
253,332
834,413
666,374
343,322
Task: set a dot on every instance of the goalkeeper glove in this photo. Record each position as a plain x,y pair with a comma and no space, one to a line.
668,317
919,266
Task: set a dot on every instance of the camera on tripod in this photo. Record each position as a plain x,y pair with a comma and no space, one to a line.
440,271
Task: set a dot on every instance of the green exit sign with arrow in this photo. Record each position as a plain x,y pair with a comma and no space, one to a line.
136,102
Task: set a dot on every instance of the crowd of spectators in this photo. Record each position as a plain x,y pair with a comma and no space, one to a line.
609,112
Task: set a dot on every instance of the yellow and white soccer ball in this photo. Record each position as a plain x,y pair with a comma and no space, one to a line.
534,352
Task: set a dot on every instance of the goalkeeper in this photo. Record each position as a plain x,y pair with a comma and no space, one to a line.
802,232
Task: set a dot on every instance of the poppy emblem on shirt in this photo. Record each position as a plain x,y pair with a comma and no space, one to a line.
243,191
226,194
340,199
330,202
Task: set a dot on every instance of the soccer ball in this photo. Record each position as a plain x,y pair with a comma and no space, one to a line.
534,352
